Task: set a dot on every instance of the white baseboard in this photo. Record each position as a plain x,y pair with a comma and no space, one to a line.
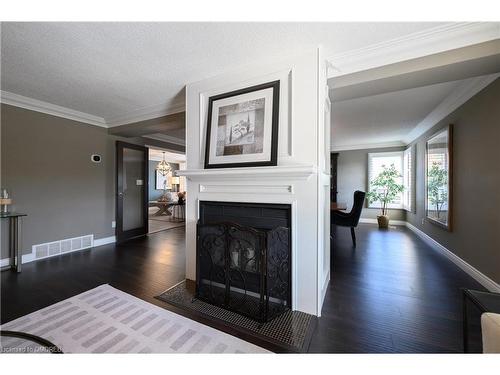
26,258
4,262
326,281
30,257
481,278
374,221
477,275
104,241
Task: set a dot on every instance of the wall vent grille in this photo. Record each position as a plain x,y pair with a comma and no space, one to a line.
50,249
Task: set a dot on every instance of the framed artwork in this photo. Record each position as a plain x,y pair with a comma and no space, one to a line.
242,127
163,182
438,178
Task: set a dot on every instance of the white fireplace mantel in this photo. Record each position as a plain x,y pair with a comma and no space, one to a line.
288,172
299,179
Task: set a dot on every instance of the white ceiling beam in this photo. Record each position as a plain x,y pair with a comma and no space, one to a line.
458,64
431,41
339,148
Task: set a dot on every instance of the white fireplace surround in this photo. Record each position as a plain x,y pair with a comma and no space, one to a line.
300,179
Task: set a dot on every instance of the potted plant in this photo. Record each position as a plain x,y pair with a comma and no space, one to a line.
384,188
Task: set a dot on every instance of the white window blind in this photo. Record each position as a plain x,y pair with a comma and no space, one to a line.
407,179
376,163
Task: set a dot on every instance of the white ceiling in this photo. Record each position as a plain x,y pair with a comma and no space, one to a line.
118,70
396,118
157,155
384,118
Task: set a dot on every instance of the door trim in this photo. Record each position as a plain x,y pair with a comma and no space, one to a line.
121,235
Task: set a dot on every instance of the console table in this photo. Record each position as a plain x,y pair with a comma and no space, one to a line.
178,210
15,258
162,206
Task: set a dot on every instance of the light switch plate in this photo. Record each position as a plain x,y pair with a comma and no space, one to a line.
139,182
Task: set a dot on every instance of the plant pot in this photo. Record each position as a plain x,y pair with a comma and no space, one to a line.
383,221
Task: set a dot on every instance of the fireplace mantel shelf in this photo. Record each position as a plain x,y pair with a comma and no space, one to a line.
290,172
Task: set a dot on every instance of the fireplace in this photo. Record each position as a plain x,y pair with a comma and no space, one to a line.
243,260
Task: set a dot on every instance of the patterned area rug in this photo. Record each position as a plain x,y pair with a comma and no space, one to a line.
290,331
107,320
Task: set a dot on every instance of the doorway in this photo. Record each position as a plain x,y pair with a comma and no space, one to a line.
131,191
166,194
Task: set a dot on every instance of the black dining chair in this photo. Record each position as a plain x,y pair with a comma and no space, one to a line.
350,219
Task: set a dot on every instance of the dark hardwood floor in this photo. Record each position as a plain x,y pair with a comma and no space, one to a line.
143,267
391,294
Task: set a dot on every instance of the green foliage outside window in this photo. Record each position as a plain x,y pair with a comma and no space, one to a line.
437,179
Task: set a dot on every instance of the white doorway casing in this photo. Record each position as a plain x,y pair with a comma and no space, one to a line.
300,179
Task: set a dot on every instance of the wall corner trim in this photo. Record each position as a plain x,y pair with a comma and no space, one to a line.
481,278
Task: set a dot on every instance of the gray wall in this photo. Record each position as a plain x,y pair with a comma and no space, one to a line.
352,175
153,193
476,183
46,166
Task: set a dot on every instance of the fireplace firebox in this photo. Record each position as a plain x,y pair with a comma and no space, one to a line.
243,259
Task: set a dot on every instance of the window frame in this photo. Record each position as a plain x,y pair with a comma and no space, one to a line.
409,196
371,155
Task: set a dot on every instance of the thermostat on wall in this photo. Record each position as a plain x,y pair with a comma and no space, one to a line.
96,158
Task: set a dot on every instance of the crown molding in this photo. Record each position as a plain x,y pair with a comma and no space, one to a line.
337,148
71,114
458,97
50,109
423,43
146,113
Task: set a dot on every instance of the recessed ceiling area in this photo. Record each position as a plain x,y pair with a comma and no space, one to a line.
392,105
384,118
170,129
119,71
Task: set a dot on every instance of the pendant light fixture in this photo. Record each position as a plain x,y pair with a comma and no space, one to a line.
163,167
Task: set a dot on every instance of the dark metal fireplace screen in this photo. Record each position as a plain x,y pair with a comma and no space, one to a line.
243,269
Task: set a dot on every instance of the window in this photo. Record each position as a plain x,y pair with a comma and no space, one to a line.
408,179
403,162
